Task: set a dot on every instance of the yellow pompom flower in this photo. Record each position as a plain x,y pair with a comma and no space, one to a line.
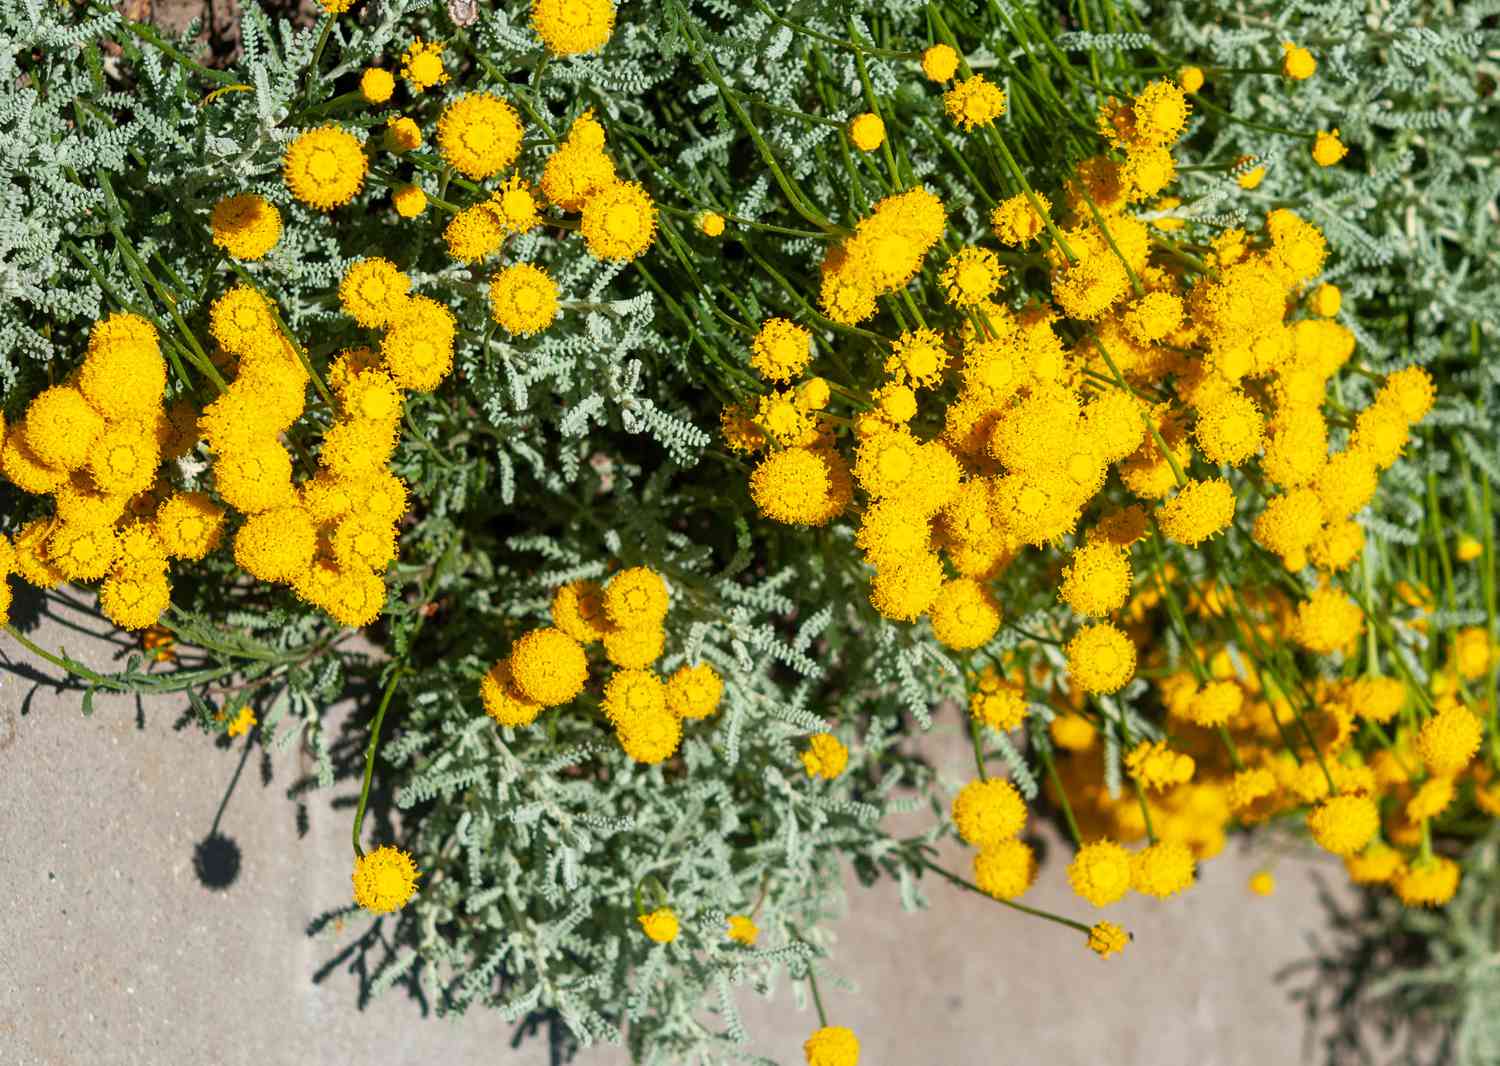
1262,883
242,322
636,597
376,85
987,812
780,350
619,221
473,233
384,880
418,347
903,590
918,358
1097,579
402,135
409,200
632,694
82,552
578,610
1016,221
1005,870
1153,316
549,666
1344,824
523,298
1431,799
246,226
514,205
660,925
1327,149
572,27
965,614
1297,63
1409,391
503,701
1198,511
1107,938
1160,110
825,757
1157,767
1252,177
575,173
372,291
135,598
832,1045
1427,882
1190,79
124,374
1325,300
1327,621
1101,658
711,224
650,737
255,477
1230,429
243,722
360,541
974,102
998,703
694,691
939,62
867,131
971,276
61,428
1448,740
189,525
124,460
24,470
422,65
634,648
479,134
324,167
1100,872
276,545
1162,870
742,930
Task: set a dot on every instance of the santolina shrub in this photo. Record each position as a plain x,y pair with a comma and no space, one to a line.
693,404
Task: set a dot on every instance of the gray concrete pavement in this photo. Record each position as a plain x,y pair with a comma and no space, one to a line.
113,953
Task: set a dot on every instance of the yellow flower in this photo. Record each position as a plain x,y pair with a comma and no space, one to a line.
634,648
660,925
1449,739
409,200
324,167
1107,938
1016,221
384,879
988,812
523,298
1100,872
479,134
971,276
124,374
619,221
402,135
60,427
636,597
246,226
1428,882
1190,78
125,458
372,291
1327,149
974,102
418,347
939,62
694,691
571,27
82,553
1327,621
832,1045
1198,511
277,544
711,224
1297,63
743,930
243,723
515,205
780,350
1160,111
422,65
1097,579
1467,549
503,701
1005,870
867,131
965,614
473,233
649,736
826,757
376,85
801,486
1162,870
1101,658
1345,823
549,666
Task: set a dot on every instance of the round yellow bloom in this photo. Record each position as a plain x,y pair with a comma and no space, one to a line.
867,131
61,428
1017,222
1297,63
1153,316
636,647
974,102
633,694
1262,883
826,757
711,224
135,598
1107,938
1376,865
1160,110
1344,824
987,812
246,226
1101,658
904,590
575,173
1157,767
549,666
473,233
409,200
650,737
503,701
514,205
124,375
1198,511
1325,300
571,27
1100,872
1163,869
24,470
939,62
384,880
1327,149
82,552
418,347
402,135
965,614
999,705
694,691
1429,882
377,84
254,478
324,167
1327,621
479,134
971,276
373,291
636,597
1005,870
578,610
1097,579
1410,391
619,221
362,542
1190,78
781,349
832,1045
660,925
801,486
742,930
189,525
124,459
276,545
422,65
1431,799
523,298
1449,739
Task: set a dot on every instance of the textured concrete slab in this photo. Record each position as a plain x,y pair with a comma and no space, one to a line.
114,953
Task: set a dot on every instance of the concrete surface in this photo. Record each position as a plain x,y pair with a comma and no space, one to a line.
113,953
